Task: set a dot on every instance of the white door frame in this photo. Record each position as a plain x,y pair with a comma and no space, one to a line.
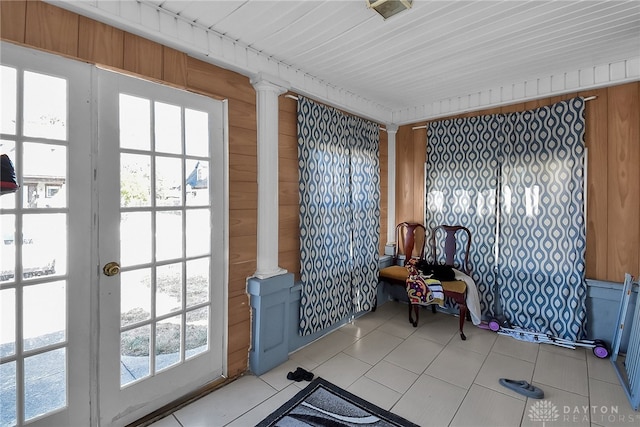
122,405
84,271
79,276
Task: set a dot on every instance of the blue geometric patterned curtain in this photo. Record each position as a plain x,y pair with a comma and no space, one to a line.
462,180
542,240
535,159
339,214
365,209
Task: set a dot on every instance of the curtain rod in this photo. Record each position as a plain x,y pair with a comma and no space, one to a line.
296,98
590,98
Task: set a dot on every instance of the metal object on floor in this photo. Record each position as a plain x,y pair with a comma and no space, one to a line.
627,366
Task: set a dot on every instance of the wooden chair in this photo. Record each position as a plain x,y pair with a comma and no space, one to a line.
448,248
410,243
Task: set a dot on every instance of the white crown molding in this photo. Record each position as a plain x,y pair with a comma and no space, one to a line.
557,84
151,22
148,20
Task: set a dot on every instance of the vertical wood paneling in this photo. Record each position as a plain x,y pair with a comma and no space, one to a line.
238,281
597,206
242,141
13,16
174,68
244,115
419,158
142,56
243,222
384,189
226,84
405,186
51,28
100,43
623,181
239,338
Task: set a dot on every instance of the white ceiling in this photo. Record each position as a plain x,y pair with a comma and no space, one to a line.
437,58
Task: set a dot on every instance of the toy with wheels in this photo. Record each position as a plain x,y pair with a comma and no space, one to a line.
503,327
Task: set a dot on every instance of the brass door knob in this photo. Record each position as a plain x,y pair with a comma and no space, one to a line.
111,268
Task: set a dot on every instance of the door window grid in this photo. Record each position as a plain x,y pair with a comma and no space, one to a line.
33,276
165,236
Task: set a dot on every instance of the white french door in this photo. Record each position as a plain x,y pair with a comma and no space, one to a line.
45,267
161,209
119,172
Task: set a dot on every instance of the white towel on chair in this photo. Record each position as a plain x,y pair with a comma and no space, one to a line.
473,300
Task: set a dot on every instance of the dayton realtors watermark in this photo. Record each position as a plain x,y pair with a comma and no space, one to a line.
545,411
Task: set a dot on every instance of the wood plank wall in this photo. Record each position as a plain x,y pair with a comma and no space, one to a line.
612,136
43,26
46,27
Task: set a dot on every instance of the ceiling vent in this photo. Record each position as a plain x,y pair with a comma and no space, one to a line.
388,8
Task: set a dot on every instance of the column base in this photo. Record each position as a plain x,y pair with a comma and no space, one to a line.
271,273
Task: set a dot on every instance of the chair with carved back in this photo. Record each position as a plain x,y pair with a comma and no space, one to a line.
443,243
410,243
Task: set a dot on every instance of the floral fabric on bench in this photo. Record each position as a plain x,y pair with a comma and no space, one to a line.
423,290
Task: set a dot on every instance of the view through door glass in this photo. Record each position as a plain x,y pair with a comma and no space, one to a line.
43,297
161,211
171,229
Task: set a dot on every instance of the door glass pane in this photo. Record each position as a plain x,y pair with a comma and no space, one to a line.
198,232
44,245
197,340
8,200
196,132
168,181
168,288
8,109
168,124
135,122
7,322
168,340
45,386
9,247
135,180
45,106
168,235
8,410
135,296
165,234
44,174
134,354
197,183
197,281
44,301
135,238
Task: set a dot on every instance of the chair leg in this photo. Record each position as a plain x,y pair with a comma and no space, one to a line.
415,308
463,316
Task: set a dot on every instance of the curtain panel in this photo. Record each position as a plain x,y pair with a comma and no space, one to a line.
339,186
542,238
462,182
528,250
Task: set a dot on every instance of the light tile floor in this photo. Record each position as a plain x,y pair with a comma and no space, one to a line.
431,377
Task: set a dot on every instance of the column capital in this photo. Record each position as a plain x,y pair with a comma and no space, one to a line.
391,128
265,82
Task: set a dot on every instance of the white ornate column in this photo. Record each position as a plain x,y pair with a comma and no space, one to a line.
267,93
391,182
